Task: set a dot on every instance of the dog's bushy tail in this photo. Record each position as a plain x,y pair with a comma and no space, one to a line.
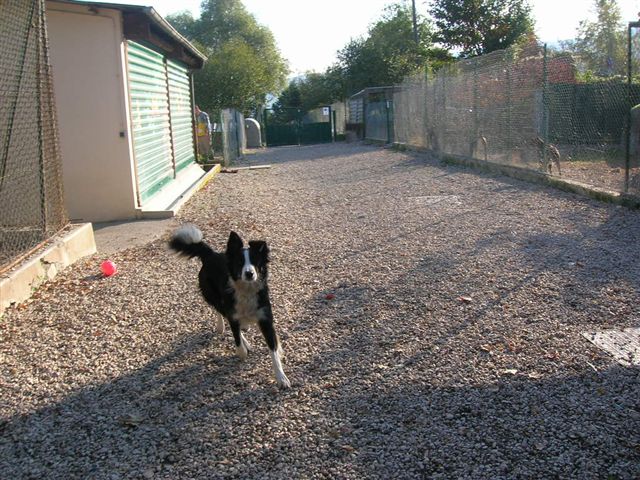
187,241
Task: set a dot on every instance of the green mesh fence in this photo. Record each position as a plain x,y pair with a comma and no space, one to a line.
31,200
527,107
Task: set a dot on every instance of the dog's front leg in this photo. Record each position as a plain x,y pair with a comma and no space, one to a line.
219,324
242,347
266,327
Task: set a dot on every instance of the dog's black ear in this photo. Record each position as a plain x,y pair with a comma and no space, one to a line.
234,242
261,248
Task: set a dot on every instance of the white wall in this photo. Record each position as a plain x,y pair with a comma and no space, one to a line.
90,94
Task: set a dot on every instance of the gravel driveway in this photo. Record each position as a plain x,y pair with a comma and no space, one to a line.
431,318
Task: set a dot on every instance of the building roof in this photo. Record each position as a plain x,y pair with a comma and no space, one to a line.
158,33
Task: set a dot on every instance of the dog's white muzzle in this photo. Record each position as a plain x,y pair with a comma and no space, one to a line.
249,273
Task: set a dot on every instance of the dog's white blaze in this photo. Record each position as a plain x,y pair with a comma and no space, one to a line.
281,378
247,265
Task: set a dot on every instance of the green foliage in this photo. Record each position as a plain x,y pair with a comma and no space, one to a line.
601,44
477,27
389,52
244,64
183,22
288,107
311,91
385,56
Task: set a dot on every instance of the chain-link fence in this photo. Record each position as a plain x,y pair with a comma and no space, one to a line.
31,200
525,107
233,135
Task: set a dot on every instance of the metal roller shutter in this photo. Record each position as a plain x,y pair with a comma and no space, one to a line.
181,116
150,119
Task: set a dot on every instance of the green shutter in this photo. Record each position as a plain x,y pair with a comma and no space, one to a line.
181,116
150,119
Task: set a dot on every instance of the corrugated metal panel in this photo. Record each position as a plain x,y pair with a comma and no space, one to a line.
150,119
181,116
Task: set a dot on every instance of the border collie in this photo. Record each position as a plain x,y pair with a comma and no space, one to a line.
235,284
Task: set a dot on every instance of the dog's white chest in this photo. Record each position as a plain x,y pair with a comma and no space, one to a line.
247,309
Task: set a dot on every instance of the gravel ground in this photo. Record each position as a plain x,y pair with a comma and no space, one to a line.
603,175
430,316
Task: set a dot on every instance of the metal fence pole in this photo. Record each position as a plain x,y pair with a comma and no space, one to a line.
444,116
386,104
509,107
474,140
425,117
333,118
545,118
40,120
627,157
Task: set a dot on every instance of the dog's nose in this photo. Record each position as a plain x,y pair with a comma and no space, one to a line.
248,275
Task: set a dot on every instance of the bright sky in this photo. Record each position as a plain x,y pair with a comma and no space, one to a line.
310,32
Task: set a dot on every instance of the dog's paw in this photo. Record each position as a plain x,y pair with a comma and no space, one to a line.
242,351
282,380
220,325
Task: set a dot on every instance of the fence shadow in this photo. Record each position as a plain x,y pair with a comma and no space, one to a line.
388,410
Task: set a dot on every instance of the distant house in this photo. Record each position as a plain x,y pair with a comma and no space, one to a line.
124,98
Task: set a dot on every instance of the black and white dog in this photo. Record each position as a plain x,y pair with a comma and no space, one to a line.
235,284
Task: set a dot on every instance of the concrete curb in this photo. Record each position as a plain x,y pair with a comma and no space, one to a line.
18,284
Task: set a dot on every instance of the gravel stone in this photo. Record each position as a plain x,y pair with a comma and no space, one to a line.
431,319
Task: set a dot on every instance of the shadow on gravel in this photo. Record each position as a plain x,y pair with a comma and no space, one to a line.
120,428
582,426
592,261
396,415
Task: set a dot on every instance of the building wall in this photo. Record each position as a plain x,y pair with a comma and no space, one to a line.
87,57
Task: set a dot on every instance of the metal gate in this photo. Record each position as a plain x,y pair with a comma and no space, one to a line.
290,126
379,121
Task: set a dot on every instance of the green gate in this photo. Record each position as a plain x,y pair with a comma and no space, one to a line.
290,126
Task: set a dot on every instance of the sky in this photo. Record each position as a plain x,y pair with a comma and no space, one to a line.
310,32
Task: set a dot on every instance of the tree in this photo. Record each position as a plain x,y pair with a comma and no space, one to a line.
244,64
601,44
311,90
389,52
477,27
183,22
289,104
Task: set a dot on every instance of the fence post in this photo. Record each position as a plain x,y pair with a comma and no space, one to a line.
264,129
474,140
333,117
386,103
545,118
509,106
442,145
627,154
40,47
425,117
